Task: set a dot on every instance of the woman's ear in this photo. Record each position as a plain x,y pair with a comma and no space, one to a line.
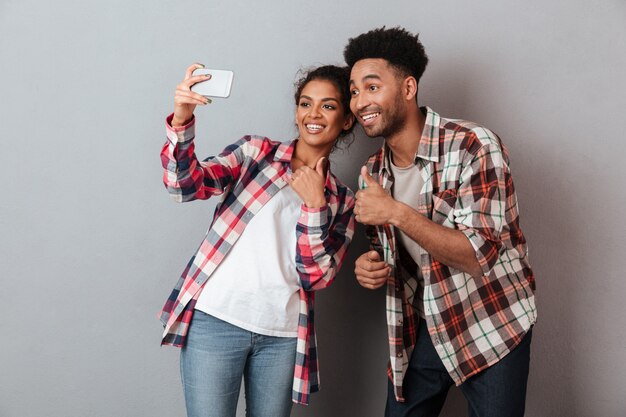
349,121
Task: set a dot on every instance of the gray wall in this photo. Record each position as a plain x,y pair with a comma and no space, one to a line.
90,243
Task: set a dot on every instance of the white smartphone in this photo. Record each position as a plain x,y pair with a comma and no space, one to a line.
217,86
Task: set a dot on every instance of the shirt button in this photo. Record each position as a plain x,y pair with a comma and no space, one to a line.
400,321
399,354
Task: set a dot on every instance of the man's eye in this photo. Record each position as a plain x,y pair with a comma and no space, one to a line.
373,87
304,104
354,92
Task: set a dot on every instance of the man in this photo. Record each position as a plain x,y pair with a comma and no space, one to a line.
442,218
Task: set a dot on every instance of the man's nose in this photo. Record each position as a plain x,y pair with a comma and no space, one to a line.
360,102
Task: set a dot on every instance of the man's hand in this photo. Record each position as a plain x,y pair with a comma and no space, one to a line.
374,205
371,272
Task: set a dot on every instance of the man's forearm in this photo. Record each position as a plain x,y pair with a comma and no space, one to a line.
448,246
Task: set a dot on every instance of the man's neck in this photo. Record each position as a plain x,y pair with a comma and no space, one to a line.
404,143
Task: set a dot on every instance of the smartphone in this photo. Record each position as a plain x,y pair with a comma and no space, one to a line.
217,86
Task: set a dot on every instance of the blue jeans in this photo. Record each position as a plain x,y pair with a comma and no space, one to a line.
216,357
498,391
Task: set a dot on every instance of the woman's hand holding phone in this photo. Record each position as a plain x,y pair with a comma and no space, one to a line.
185,100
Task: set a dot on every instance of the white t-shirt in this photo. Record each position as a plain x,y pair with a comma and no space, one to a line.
256,286
407,186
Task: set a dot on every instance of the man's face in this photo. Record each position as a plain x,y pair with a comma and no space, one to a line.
376,98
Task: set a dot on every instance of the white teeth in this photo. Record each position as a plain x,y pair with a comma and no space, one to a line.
370,116
314,127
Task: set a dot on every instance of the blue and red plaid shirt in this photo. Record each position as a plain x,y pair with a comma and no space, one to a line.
473,321
246,175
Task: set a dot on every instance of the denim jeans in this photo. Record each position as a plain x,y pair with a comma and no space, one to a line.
216,357
498,391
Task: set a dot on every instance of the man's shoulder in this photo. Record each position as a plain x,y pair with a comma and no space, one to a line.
375,160
468,135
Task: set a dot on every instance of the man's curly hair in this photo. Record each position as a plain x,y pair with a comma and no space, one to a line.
399,47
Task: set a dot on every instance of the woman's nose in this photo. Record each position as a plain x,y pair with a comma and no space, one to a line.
315,112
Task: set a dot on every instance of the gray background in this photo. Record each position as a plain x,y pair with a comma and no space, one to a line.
90,243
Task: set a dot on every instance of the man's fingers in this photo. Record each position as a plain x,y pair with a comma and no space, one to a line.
373,256
372,283
370,262
369,181
379,271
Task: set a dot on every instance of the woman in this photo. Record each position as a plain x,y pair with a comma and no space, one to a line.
243,307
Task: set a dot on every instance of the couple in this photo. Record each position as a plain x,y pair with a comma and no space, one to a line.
441,214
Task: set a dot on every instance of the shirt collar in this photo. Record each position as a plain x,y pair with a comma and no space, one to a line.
428,147
285,152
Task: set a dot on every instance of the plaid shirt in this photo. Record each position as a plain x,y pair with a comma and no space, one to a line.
246,175
473,322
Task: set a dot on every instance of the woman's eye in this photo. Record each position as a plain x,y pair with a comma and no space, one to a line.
304,104
329,107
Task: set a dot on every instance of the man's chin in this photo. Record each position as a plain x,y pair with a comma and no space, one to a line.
372,132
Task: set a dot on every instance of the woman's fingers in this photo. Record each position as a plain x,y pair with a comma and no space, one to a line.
189,97
188,82
191,68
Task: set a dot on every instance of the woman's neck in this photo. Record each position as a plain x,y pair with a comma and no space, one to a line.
307,155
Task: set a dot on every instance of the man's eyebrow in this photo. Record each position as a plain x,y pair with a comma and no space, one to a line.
367,77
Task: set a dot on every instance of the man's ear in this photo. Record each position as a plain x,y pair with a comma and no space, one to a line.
409,88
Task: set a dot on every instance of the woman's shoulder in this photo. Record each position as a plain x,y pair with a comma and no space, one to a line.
253,145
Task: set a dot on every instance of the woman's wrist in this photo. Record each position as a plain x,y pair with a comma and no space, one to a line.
176,122
317,203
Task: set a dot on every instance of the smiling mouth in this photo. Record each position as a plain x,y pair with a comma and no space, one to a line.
368,119
313,128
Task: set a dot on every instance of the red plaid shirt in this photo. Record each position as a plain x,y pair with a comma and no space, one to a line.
473,322
246,175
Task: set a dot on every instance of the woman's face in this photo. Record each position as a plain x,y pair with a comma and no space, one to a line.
320,115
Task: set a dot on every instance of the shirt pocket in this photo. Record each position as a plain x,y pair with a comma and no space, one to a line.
444,204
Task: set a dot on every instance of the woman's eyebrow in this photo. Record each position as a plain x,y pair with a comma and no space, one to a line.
324,99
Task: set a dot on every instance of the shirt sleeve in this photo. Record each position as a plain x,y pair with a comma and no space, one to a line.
481,203
321,245
185,177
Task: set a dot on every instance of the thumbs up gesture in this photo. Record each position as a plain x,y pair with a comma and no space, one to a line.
309,183
374,206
